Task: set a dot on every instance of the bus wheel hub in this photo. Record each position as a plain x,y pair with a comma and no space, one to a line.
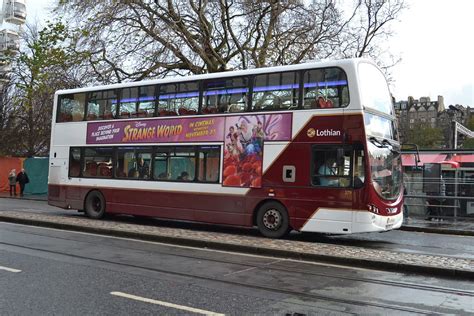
272,219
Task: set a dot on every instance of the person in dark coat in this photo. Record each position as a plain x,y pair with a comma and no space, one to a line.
22,179
12,182
142,170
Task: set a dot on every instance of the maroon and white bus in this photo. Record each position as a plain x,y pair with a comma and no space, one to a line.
310,147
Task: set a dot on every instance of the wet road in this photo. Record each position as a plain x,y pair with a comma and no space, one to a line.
410,242
45,271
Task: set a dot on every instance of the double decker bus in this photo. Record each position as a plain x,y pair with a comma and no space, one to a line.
310,147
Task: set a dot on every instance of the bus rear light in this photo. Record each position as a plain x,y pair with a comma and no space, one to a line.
373,209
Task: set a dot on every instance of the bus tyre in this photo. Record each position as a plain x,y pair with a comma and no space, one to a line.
273,220
94,205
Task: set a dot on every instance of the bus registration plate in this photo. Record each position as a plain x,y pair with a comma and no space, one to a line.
390,222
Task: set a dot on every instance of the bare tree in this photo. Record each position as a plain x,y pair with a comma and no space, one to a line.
371,27
137,39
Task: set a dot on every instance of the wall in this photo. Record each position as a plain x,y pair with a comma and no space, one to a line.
7,164
36,169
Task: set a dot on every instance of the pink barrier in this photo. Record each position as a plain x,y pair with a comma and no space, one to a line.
7,164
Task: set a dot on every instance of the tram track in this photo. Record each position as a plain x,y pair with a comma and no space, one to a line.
294,293
265,267
404,285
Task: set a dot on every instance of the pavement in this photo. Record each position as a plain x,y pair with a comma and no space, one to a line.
33,197
464,227
283,248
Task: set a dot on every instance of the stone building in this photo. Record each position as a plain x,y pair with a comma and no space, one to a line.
413,113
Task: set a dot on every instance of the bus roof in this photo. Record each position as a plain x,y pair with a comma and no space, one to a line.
309,65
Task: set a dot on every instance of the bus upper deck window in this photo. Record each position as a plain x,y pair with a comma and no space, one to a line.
225,95
71,107
275,91
325,88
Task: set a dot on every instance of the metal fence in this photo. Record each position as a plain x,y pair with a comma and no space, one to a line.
454,201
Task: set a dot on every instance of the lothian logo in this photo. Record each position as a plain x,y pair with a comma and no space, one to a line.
328,132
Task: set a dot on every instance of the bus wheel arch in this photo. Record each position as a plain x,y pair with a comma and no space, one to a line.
272,219
94,204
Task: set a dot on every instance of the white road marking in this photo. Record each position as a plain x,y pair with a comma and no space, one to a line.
156,302
10,269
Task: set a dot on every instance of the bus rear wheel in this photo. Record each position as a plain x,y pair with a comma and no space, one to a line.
273,220
94,205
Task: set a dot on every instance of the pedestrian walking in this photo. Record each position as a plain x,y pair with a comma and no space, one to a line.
12,182
22,179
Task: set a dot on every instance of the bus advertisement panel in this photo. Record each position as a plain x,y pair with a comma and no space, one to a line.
271,127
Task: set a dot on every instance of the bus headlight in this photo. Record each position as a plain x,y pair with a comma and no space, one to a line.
392,210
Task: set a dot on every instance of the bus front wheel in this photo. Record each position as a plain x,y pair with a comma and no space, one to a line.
273,220
94,205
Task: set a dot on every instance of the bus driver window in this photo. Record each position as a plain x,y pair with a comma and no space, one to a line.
328,170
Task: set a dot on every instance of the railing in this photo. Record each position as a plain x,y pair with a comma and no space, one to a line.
454,201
